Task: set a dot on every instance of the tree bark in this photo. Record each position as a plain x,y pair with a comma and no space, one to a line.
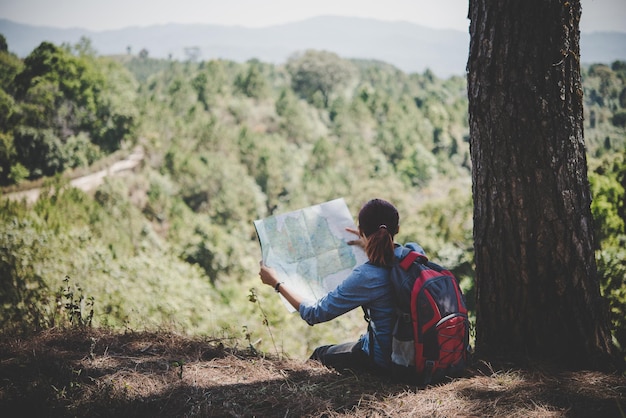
538,294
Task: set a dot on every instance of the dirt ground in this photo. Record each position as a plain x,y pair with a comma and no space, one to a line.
100,373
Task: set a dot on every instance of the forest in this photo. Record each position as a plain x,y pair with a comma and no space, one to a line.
172,245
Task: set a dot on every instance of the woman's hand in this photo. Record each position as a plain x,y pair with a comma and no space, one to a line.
360,241
268,275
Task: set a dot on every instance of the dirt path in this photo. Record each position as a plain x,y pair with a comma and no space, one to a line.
89,181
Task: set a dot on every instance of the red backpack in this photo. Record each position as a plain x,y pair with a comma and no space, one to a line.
431,334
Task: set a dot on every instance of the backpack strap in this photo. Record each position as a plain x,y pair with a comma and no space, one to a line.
370,330
409,256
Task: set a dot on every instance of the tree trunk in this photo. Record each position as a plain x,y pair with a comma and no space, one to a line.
538,294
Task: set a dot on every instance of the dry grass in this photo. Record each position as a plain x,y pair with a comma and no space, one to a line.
101,373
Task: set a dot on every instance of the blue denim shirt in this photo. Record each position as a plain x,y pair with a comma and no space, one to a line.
368,286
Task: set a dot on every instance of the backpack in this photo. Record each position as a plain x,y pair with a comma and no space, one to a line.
431,333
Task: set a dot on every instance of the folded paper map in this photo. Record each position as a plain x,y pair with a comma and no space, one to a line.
308,247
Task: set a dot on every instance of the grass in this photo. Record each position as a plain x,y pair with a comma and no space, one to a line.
98,372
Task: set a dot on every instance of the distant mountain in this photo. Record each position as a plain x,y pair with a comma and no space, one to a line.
410,47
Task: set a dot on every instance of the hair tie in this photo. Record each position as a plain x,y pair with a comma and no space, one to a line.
382,226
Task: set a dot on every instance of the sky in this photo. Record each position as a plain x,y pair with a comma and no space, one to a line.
98,15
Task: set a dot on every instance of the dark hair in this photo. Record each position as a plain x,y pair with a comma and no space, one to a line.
379,221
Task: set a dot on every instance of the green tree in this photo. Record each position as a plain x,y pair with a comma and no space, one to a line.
251,81
619,118
7,157
10,66
319,72
39,150
64,104
84,48
293,121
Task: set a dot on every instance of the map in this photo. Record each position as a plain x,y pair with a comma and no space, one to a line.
308,247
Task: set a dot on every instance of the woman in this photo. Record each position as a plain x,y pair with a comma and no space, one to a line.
367,285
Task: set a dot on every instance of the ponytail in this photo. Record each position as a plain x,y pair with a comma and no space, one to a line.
379,247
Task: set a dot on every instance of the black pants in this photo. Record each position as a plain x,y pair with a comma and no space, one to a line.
345,356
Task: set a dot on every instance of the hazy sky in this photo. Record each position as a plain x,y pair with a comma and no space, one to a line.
114,14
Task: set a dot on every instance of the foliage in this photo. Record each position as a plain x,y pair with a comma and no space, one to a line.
79,309
62,111
318,76
227,143
128,270
608,182
619,119
251,81
608,203
10,66
612,268
604,92
24,289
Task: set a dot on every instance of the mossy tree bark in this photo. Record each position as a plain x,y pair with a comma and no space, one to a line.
538,293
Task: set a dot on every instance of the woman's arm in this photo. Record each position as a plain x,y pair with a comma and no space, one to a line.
269,277
337,303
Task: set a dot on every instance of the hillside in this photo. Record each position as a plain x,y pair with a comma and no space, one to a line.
88,373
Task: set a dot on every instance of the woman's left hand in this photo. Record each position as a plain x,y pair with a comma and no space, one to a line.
360,241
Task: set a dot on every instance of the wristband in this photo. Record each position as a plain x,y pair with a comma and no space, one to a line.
277,286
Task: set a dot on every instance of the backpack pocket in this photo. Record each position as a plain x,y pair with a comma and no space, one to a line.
452,341
403,344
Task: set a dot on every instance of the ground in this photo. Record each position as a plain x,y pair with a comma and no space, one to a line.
96,372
